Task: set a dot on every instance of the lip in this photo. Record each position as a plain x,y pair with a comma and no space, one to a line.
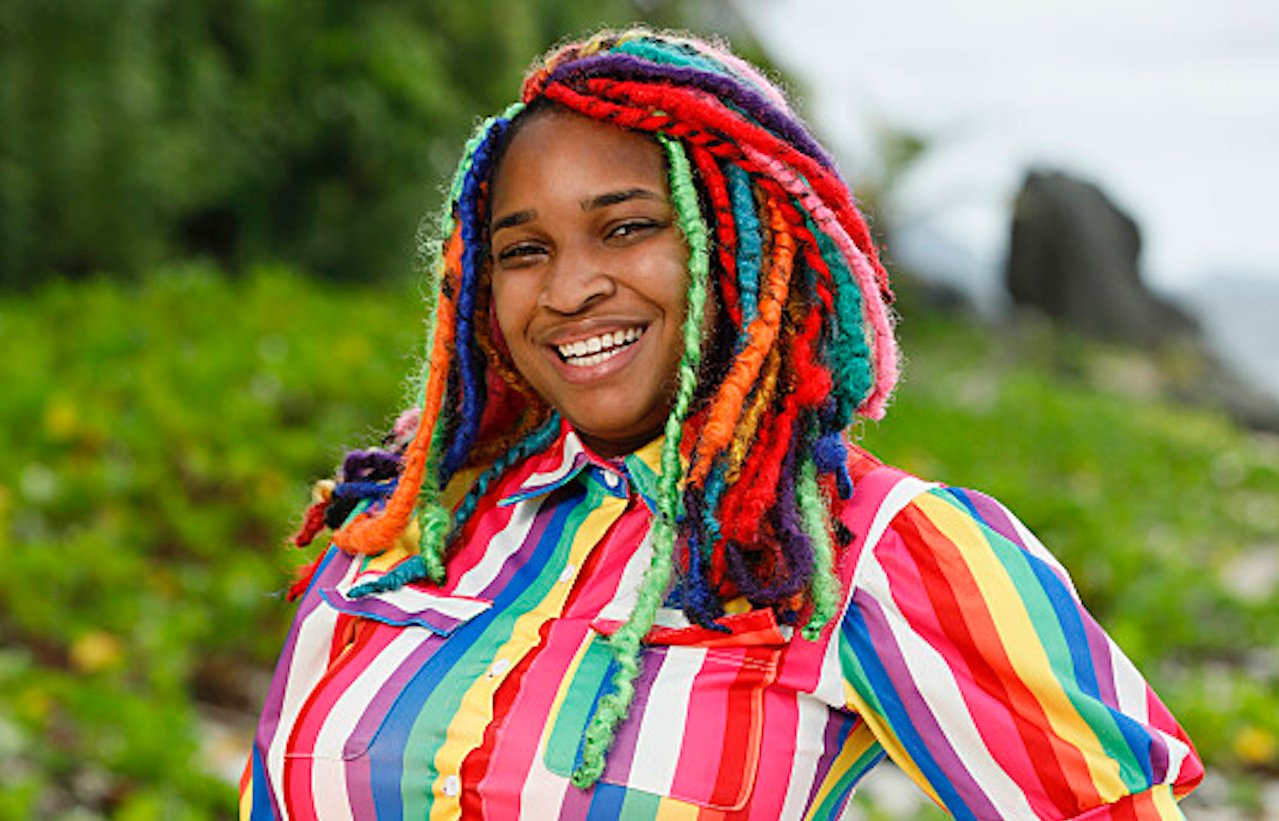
581,375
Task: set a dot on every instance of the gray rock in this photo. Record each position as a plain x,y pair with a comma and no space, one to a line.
1074,255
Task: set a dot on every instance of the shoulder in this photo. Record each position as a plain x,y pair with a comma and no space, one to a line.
906,523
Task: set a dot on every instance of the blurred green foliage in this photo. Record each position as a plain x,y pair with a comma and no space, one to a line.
159,438
312,132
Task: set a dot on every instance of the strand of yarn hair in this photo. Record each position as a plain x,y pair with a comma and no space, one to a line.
434,520
873,310
725,234
850,356
676,69
824,589
535,442
371,534
753,495
846,354
693,108
728,471
749,244
470,363
726,407
625,643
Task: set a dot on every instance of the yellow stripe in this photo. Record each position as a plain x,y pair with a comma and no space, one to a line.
475,711
1165,802
859,741
1017,631
892,745
672,809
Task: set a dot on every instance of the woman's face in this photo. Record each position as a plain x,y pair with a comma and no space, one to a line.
589,273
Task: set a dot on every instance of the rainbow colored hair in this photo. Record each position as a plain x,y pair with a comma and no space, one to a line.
775,238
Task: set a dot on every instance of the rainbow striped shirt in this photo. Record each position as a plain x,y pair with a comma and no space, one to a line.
963,653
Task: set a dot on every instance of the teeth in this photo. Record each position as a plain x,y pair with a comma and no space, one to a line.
587,352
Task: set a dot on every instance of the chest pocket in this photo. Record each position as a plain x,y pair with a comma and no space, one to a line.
377,638
695,727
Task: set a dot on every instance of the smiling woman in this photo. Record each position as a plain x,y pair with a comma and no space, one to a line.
589,278
623,561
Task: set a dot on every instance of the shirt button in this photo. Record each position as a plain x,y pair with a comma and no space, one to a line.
566,575
610,478
499,667
452,786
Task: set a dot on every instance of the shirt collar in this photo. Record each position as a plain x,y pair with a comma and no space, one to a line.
568,459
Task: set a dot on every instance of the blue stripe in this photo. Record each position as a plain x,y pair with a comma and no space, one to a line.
390,742
857,633
262,809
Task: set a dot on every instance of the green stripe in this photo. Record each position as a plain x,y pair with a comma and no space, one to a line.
575,711
1094,713
419,749
834,799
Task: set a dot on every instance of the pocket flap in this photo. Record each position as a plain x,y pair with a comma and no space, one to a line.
409,605
754,628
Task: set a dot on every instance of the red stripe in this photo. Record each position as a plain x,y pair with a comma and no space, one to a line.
742,734
476,764
960,613
296,781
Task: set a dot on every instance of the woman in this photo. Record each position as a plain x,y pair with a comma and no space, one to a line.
622,560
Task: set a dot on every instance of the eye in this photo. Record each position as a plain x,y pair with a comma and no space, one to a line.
631,229
520,254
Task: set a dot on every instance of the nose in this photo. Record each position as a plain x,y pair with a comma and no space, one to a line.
575,281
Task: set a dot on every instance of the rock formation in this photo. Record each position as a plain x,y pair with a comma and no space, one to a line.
1074,256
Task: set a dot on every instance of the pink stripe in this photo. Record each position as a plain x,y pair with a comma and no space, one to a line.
311,719
516,743
990,713
707,721
777,754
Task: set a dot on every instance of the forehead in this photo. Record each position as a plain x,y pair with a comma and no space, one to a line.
559,153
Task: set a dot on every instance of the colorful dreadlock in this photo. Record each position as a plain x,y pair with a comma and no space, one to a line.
753,460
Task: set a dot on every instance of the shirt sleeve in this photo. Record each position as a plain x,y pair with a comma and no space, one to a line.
966,649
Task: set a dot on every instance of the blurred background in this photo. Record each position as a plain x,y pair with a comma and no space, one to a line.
208,292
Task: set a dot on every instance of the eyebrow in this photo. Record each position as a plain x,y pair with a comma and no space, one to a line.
513,219
615,197
517,218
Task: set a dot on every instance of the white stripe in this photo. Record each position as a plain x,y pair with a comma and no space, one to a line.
1178,751
307,665
898,496
542,795
934,679
328,774
830,685
572,447
665,717
504,544
413,600
1130,687
328,785
810,735
623,602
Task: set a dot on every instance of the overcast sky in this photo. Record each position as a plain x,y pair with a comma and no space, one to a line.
1172,107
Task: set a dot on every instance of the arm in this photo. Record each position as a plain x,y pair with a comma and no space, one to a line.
967,651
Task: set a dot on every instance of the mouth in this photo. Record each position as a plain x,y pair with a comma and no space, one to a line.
595,350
